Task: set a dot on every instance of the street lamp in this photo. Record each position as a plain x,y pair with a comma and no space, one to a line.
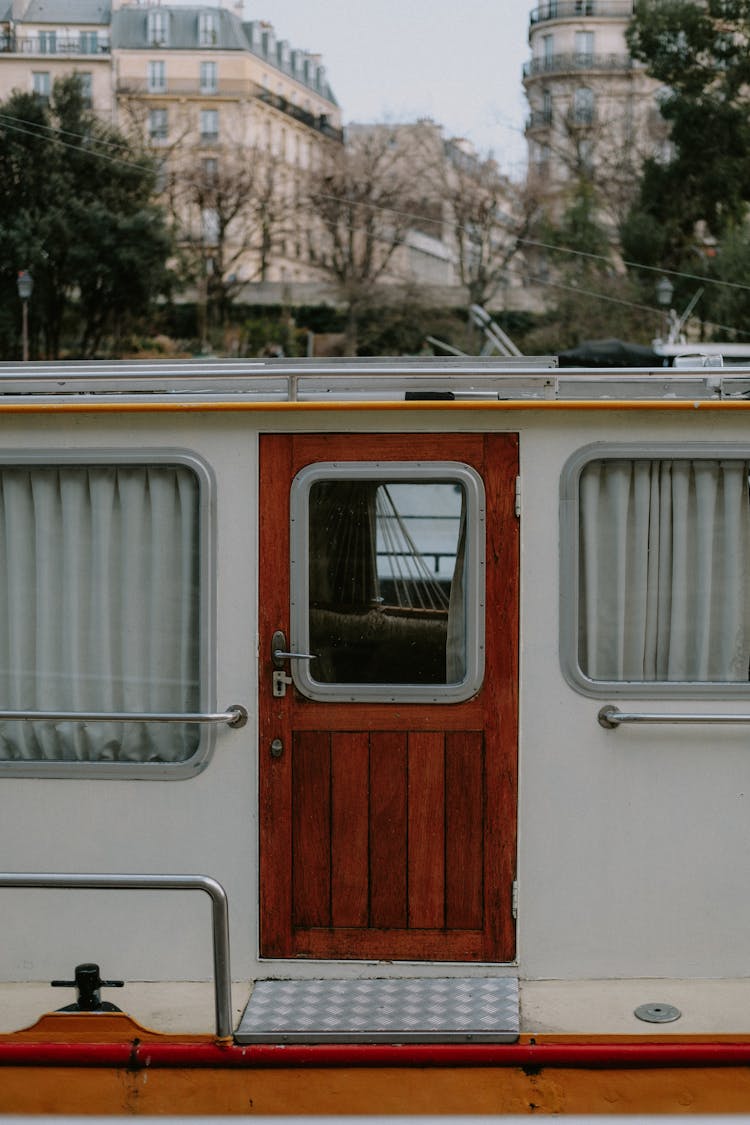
664,293
25,283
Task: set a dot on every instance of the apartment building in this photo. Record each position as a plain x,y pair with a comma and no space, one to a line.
41,40
223,101
593,111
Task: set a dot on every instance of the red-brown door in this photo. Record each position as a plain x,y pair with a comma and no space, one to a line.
388,827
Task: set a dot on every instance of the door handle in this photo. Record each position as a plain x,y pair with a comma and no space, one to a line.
279,653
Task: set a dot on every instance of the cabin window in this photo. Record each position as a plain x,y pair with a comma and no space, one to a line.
658,598
387,581
100,612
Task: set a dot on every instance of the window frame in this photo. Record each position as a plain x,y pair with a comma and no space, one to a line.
570,565
158,133
208,76
156,76
208,136
157,27
41,84
387,472
145,771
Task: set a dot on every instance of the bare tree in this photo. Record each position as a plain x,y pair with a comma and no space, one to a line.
360,201
490,217
230,210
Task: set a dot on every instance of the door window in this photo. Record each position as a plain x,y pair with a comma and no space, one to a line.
388,581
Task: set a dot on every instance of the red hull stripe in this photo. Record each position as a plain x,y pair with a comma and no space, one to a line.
137,1056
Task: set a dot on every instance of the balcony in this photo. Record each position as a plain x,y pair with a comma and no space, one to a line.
575,63
313,121
232,89
539,119
61,48
576,9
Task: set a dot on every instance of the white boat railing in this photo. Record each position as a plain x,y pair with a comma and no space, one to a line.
611,717
119,882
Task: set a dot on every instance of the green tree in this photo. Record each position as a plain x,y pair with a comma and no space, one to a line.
76,210
700,53
593,297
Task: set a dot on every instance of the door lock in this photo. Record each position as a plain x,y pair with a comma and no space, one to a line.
277,748
280,683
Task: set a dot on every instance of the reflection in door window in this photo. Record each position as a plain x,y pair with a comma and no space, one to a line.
387,599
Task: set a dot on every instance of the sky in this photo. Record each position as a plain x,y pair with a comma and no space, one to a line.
456,61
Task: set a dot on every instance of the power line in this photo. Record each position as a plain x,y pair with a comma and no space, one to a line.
55,130
38,131
15,123
80,149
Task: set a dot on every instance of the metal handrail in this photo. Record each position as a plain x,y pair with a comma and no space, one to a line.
234,716
219,915
611,717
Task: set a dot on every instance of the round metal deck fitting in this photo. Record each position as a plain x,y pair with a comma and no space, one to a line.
657,1013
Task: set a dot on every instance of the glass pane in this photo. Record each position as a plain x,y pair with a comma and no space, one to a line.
386,593
664,562
99,609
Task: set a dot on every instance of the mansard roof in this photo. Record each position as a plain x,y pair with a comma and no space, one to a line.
130,28
66,11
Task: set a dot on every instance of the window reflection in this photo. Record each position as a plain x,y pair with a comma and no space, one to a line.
386,595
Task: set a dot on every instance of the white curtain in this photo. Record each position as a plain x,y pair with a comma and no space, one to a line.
98,608
665,570
455,652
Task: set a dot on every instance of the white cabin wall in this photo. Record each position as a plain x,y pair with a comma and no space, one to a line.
201,825
633,843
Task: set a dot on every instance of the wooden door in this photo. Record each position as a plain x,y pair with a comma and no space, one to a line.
388,827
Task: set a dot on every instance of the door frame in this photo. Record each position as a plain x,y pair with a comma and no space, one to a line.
495,456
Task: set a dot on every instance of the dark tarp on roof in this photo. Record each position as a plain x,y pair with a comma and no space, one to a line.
610,353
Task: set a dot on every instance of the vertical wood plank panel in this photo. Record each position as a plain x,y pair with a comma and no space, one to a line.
311,829
426,788
464,798
350,785
275,779
388,906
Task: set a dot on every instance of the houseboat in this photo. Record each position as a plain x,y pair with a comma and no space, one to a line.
374,738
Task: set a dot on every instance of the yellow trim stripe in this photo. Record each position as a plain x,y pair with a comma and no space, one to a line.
460,406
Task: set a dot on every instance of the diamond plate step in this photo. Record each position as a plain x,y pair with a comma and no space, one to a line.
443,1010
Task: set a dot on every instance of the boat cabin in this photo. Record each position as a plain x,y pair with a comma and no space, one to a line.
433,675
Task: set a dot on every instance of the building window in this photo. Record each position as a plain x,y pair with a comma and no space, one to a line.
41,84
85,79
209,125
157,125
583,106
548,50
47,42
88,42
210,170
101,613
207,29
546,107
210,227
584,48
157,77
387,569
209,77
656,564
157,28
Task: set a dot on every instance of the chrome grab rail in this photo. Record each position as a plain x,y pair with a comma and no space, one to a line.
234,716
611,717
219,916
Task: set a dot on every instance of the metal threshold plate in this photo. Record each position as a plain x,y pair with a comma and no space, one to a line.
443,1010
